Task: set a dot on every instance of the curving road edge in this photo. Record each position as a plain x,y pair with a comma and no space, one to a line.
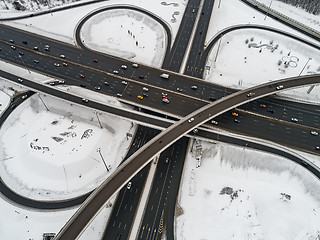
144,155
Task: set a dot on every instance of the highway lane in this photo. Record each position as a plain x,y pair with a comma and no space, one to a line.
159,211
173,60
159,143
197,48
121,219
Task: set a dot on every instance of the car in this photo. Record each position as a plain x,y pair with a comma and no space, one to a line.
84,100
166,160
317,148
279,87
13,106
129,185
179,89
124,67
164,94
82,85
65,64
200,32
62,56
139,97
52,83
294,120
314,133
61,82
199,51
24,42
214,122
124,82
95,60
141,76
165,100
250,94
193,10
212,99
21,53
165,75
270,110
36,61
11,41
236,120
106,83
235,114
47,46
145,89
115,72
47,49
36,48
118,236
82,76
97,88
135,65
263,105
191,120
20,80
24,96
194,87
13,47
145,95
119,95
57,64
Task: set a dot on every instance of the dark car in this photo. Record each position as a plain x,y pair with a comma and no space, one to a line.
82,85
24,42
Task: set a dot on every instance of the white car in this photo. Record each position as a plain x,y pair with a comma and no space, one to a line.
165,100
214,122
294,120
279,87
314,133
57,64
115,72
191,120
129,185
145,89
124,67
135,65
124,82
85,100
62,56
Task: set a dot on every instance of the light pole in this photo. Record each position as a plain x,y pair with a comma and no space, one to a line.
99,151
268,10
43,102
305,65
98,119
24,63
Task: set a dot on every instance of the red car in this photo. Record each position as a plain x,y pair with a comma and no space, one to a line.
81,75
95,60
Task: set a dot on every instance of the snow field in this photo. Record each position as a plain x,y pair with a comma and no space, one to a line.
55,154
252,196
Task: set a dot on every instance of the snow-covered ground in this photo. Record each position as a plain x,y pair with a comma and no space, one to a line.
238,193
264,196
245,58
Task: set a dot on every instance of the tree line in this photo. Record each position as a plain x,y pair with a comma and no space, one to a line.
311,6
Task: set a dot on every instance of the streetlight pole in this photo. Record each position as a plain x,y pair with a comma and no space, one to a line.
98,119
24,63
268,10
99,151
305,65
43,102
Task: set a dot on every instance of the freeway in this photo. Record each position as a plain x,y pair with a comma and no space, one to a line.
144,155
95,78
180,104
